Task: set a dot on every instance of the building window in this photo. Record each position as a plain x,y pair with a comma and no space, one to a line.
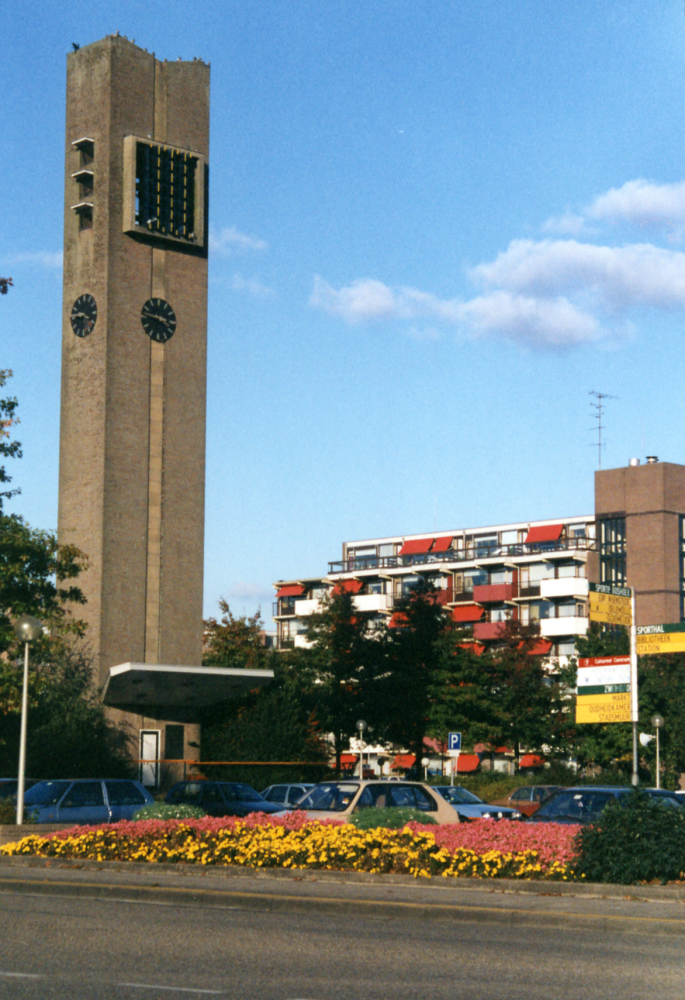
612,550
682,567
377,587
173,742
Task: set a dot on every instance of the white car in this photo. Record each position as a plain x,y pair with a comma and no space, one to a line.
339,799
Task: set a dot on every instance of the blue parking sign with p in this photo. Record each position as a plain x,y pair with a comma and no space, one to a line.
454,741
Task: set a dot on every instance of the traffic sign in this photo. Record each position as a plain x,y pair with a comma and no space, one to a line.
660,638
610,605
454,741
603,689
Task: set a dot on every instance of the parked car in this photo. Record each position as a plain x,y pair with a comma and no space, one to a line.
9,786
528,799
222,798
339,799
585,803
287,795
85,800
469,806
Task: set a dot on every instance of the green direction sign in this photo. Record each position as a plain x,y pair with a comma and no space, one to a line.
611,590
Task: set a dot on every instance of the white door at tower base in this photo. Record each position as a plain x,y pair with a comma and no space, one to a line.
149,757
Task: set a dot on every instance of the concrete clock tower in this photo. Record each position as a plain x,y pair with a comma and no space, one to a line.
134,335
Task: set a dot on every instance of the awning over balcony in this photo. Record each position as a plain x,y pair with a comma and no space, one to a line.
544,533
531,760
292,590
467,613
348,759
467,762
442,544
541,648
415,545
348,587
403,760
158,685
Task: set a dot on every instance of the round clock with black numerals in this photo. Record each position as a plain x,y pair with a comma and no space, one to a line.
158,319
84,313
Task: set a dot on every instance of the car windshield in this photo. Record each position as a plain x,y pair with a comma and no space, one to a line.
235,792
330,797
460,796
46,793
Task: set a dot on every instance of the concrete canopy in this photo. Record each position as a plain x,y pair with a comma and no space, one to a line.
147,684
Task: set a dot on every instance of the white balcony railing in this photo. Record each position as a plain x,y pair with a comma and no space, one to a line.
567,586
567,625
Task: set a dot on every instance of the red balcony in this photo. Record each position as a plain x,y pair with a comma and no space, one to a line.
488,630
494,593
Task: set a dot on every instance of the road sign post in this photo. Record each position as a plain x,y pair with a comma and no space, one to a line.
454,749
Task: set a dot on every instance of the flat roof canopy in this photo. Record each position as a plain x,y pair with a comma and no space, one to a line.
181,687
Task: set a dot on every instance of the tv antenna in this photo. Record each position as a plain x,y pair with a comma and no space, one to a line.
599,408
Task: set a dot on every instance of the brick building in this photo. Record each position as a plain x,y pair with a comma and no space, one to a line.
533,571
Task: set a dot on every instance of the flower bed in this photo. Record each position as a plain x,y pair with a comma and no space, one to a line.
481,849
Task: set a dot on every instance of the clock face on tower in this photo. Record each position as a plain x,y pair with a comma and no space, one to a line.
84,313
158,319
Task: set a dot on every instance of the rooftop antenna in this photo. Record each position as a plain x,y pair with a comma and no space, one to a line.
599,408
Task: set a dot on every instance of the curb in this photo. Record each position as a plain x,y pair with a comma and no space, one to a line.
672,893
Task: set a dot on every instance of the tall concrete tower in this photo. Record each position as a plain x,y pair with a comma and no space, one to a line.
134,334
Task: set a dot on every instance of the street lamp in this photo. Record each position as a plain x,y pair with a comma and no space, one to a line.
657,722
425,761
361,726
26,628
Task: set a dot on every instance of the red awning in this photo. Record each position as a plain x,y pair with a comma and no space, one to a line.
467,613
415,545
476,647
403,760
531,760
291,591
348,586
541,647
442,544
545,533
467,762
348,758
398,620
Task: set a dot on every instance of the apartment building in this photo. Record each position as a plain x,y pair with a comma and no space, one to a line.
531,571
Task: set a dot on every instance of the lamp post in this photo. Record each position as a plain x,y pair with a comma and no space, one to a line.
26,628
657,722
361,726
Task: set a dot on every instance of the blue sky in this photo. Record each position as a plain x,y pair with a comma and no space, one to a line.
435,228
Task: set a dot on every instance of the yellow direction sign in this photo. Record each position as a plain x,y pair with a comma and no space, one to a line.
603,708
660,639
610,605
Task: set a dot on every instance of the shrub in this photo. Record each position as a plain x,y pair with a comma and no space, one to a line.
165,810
393,818
636,839
8,812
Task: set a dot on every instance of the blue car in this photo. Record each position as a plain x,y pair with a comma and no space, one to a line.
85,800
223,798
469,806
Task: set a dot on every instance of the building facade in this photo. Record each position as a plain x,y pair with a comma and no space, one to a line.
535,571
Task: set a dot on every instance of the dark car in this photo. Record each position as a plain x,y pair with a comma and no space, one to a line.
585,803
222,798
469,806
9,786
85,800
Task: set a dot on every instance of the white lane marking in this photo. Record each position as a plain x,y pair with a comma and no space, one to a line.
23,975
172,989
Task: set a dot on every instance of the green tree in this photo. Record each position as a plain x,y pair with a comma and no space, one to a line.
8,419
661,689
525,705
275,723
597,744
68,734
234,641
412,679
344,655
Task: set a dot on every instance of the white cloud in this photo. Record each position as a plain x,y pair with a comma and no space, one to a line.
230,240
548,293
617,278
43,258
250,285
642,203
254,593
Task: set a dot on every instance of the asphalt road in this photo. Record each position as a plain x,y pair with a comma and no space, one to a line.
119,934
